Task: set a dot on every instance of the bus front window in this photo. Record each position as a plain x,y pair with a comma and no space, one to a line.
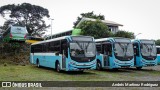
82,49
148,49
123,49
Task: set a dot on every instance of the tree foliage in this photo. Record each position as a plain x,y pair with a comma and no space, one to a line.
25,14
158,42
124,34
97,29
88,15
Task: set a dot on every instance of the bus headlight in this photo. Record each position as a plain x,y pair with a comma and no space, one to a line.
73,63
116,61
143,60
94,62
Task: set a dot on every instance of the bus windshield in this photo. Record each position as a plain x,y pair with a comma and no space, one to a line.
82,49
18,30
148,49
123,49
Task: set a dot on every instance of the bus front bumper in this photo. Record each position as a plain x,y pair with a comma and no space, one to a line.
145,63
81,66
123,64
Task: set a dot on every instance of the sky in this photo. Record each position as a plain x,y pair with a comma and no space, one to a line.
139,16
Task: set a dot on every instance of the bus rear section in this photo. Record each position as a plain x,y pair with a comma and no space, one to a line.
145,53
158,54
114,53
18,33
68,53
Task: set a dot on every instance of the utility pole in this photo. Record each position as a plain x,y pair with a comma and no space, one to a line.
51,26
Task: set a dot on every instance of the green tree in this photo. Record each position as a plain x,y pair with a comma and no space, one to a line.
124,34
88,15
97,29
158,42
25,14
6,24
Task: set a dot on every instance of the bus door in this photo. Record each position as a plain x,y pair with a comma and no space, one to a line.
136,53
64,51
107,52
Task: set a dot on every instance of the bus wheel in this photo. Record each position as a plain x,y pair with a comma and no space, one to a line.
81,71
57,67
115,69
139,68
98,67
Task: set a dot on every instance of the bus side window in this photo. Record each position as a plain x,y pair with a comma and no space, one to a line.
158,50
64,47
32,49
108,49
99,48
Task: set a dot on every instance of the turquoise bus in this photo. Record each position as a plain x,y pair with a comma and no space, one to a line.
114,53
68,53
144,52
158,54
15,33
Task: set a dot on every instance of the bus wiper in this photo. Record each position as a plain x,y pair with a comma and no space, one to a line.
81,48
151,49
87,46
121,47
126,49
79,45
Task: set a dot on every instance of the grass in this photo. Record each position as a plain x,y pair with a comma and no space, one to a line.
12,72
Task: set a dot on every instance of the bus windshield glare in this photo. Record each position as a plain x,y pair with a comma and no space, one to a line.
123,49
82,49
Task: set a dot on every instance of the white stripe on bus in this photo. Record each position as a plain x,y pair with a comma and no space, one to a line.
45,54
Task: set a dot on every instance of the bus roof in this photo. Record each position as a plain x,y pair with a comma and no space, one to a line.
59,38
55,39
139,40
104,39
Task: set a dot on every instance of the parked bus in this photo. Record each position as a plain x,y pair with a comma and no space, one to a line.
31,39
15,33
145,53
158,54
68,53
114,53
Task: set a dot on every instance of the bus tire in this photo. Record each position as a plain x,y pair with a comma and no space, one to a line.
98,66
139,68
81,71
115,69
38,64
58,67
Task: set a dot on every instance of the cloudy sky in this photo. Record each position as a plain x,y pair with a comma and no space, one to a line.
138,16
